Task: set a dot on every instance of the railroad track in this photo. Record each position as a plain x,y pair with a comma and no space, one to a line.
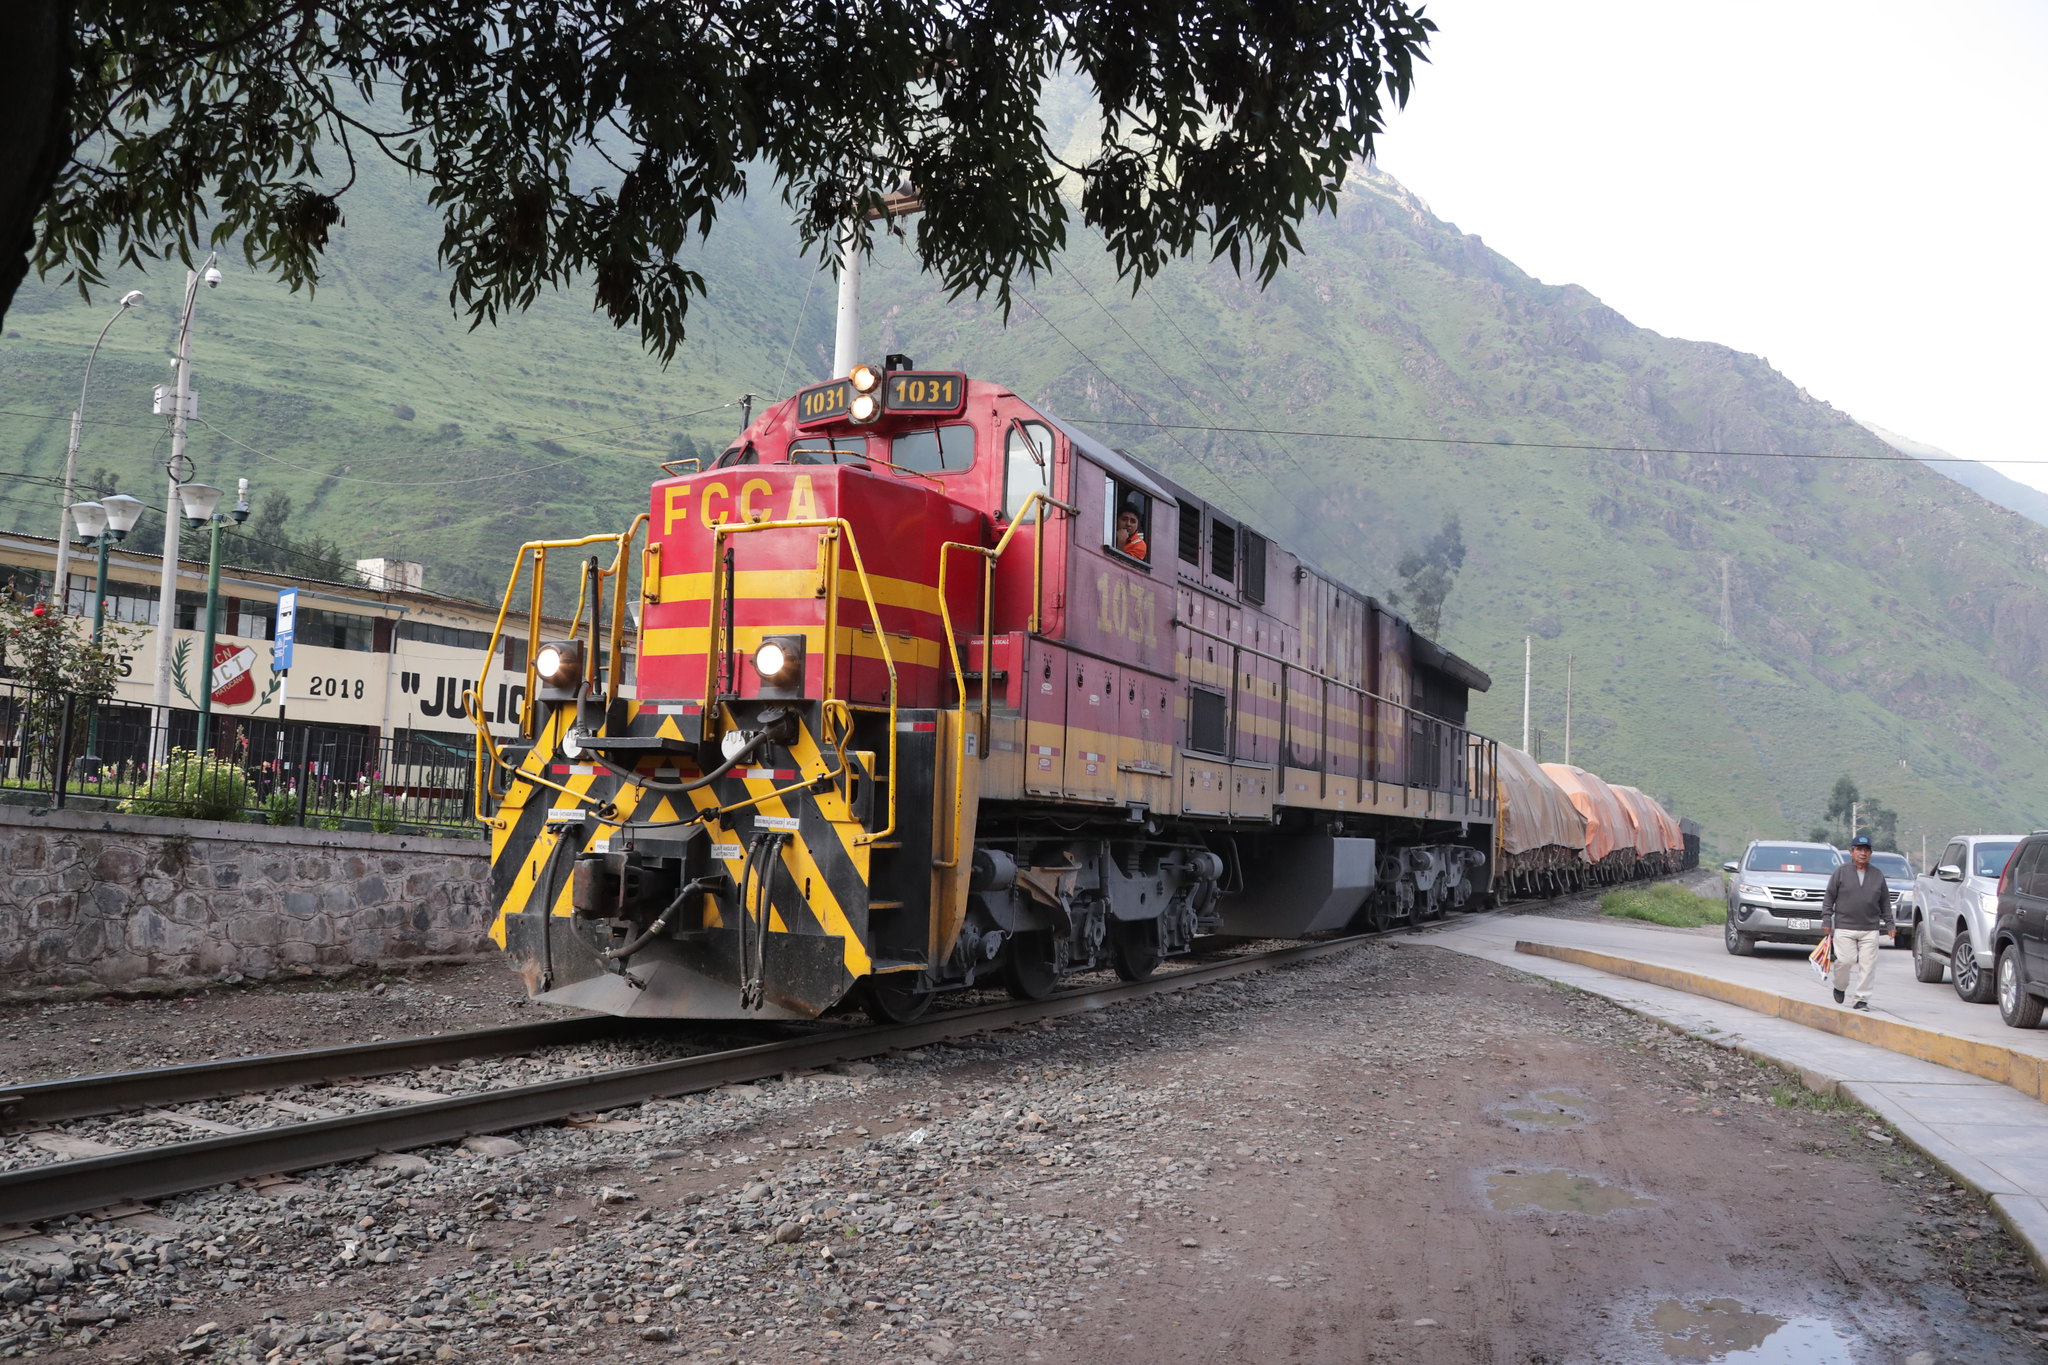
37,1193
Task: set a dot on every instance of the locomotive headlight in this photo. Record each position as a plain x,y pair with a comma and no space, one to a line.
779,659
558,669
864,379
865,407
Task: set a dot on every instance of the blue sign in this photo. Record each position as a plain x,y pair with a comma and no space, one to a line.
287,629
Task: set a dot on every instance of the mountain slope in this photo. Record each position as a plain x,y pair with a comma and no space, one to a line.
1986,482
1883,621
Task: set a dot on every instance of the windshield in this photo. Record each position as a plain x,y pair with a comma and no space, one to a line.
941,450
1988,860
1893,865
1790,858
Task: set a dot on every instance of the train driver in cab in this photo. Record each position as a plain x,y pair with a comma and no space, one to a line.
1130,534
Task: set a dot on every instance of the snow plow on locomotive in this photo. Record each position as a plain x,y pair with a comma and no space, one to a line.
931,689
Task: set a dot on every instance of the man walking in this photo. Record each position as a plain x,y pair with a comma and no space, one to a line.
1856,908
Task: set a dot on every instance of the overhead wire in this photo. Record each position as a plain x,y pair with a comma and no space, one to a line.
1308,519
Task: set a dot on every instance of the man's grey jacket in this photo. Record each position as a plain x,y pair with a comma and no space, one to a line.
1848,905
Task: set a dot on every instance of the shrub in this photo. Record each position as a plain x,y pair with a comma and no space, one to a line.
1665,903
189,784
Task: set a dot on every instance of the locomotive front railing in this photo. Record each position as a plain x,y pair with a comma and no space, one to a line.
490,760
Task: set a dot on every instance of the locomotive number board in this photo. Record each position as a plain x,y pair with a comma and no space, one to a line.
902,391
924,391
824,402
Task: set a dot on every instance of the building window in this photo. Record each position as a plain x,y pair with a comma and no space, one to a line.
454,637
134,603
336,630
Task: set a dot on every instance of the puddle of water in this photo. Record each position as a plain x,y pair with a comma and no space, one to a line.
1525,1119
1726,1330
1546,1110
1559,1192
1563,1099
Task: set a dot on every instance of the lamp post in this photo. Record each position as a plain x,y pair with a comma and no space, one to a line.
199,502
102,523
179,404
62,592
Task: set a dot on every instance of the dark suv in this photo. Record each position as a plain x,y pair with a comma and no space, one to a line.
2019,937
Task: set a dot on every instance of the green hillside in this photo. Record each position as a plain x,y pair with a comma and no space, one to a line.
1885,622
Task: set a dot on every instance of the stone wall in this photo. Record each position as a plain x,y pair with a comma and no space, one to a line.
92,900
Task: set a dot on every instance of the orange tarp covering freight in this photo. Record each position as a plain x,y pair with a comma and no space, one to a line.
1534,811
1609,828
1656,831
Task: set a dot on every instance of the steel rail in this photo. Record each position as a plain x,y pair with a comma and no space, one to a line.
114,1092
50,1191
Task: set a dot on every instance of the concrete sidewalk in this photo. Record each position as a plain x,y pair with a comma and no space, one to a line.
1920,1060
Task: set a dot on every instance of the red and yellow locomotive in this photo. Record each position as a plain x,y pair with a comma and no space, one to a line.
931,689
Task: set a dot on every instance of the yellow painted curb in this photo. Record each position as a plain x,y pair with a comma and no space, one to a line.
2022,1071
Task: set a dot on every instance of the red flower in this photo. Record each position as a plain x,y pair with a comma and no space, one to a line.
39,610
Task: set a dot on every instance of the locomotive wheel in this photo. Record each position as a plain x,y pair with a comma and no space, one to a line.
1028,970
1134,948
897,997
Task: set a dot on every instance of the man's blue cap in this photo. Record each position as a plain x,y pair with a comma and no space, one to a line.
1860,841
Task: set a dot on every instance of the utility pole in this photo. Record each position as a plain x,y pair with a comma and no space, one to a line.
1727,605
179,468
1567,708
846,335
1854,806
1526,654
846,332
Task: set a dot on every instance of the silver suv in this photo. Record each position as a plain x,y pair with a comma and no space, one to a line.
1774,893
1955,906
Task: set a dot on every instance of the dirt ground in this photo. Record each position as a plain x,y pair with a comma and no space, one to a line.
49,1041
1396,1154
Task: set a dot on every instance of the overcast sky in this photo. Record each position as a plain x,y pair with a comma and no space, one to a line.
1855,189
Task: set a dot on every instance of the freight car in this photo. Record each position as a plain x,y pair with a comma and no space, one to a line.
1562,829
937,690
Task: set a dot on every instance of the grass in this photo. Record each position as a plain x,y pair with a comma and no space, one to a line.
1664,904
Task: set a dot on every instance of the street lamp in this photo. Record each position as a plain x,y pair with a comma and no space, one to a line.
62,593
199,501
102,523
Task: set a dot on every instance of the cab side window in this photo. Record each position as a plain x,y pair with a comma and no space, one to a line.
1027,454
1953,855
1126,520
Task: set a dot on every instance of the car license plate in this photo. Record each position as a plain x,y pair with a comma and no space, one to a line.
1804,923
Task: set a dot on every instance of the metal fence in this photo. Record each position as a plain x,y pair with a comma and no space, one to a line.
83,754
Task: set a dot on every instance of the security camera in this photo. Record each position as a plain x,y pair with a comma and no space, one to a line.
212,277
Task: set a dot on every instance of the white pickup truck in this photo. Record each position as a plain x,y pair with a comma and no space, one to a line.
1955,903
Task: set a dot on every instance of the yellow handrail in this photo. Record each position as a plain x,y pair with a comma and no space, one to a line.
490,759
1037,503
842,528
